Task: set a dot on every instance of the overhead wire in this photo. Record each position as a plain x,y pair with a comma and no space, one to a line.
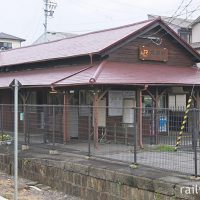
170,21
177,10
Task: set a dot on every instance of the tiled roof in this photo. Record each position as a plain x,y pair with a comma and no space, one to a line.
74,46
39,77
90,43
11,37
136,74
112,73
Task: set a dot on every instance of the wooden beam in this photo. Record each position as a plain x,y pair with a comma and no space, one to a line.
102,95
25,96
151,95
162,93
139,117
156,116
95,117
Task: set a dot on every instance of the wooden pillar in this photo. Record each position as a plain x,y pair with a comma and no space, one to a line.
139,117
25,96
95,117
66,136
156,116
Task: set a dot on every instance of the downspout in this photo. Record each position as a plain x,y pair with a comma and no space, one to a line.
95,76
91,58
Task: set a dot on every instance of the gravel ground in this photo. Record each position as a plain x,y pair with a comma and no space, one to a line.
29,190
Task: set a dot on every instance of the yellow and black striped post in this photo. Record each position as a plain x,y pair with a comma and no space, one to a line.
178,140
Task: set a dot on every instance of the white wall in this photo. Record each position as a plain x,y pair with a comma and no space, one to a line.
196,33
15,43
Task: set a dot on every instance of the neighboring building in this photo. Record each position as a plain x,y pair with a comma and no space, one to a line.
121,67
52,36
9,41
181,26
196,34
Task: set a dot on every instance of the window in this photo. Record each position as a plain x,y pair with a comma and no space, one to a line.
185,34
147,104
177,101
84,97
5,45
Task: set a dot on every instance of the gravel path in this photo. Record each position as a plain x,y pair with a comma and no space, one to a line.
29,190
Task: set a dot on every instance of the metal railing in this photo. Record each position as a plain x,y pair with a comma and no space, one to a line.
71,129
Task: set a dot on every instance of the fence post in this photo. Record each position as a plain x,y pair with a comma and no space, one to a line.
2,120
28,129
53,129
135,136
89,131
24,125
115,132
194,140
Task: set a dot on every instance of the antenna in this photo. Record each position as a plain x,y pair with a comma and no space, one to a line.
49,9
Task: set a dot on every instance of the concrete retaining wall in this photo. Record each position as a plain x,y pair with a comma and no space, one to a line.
95,183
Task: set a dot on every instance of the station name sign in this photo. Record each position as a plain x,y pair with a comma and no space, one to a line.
153,53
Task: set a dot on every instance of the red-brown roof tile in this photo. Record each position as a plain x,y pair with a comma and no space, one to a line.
39,77
74,46
136,74
111,73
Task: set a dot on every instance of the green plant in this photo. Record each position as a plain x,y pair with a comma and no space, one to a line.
166,148
5,137
157,196
27,162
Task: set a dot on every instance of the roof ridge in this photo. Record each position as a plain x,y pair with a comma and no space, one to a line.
13,37
156,16
76,36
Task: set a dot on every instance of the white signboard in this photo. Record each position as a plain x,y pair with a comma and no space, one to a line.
128,112
129,95
116,101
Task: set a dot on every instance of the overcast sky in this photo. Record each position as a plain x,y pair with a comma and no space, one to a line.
24,18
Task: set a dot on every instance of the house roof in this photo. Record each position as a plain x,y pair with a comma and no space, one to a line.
40,77
196,21
51,36
90,43
11,37
108,73
75,46
133,74
180,22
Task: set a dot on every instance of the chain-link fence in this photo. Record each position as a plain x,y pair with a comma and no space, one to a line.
132,135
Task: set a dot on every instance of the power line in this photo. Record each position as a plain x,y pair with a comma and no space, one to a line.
171,20
182,10
177,9
184,20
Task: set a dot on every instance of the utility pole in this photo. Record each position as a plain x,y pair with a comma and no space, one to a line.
15,84
49,8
